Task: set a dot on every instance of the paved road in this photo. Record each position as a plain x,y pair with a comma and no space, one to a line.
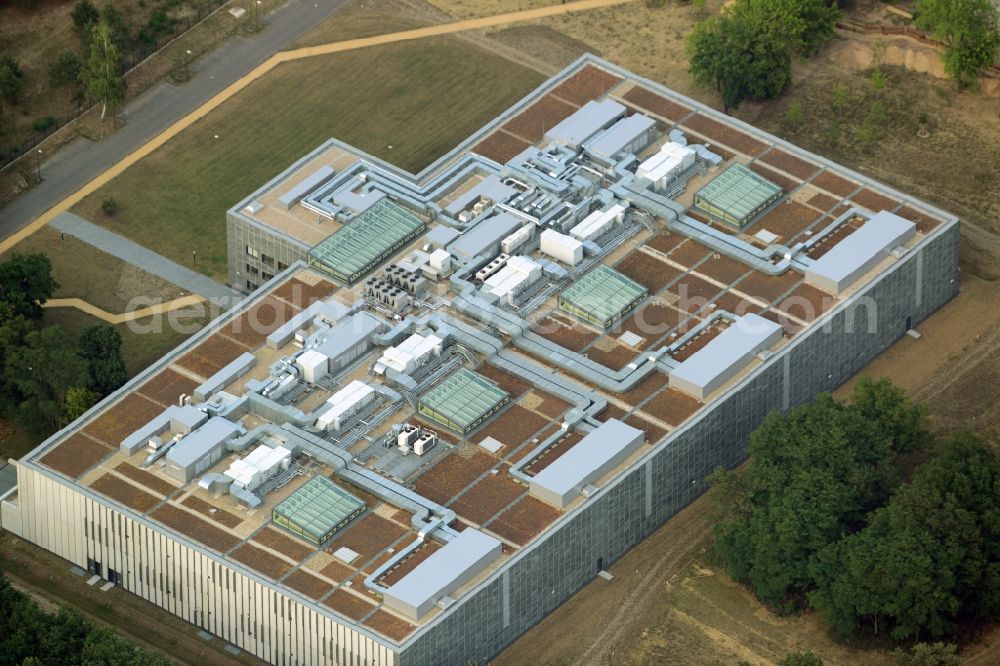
147,260
154,110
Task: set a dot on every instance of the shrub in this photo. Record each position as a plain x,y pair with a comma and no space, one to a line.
109,207
43,124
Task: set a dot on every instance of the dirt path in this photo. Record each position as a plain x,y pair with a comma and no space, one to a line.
161,308
583,631
288,56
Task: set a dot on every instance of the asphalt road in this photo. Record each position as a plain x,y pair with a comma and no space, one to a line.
154,110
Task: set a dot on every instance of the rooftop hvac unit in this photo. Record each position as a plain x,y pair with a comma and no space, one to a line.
424,442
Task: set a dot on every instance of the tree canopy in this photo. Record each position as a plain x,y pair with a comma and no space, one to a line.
29,635
101,347
48,379
746,51
969,30
927,559
820,516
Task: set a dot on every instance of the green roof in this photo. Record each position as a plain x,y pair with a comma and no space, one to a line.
603,293
463,400
737,192
318,508
367,240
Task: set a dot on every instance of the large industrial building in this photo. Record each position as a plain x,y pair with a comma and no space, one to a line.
452,398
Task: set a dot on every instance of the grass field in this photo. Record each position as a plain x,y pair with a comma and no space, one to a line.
404,96
85,272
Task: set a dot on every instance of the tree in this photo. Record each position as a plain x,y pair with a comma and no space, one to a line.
807,658
745,53
37,374
10,77
928,558
84,15
103,647
969,30
65,69
737,58
897,417
813,476
101,347
78,401
26,282
115,20
101,75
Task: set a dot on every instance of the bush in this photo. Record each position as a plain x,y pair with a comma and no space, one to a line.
10,77
84,14
43,124
109,207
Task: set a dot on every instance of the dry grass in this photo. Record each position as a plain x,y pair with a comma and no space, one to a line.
85,272
174,200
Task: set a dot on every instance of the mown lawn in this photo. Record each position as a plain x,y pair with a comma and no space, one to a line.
420,98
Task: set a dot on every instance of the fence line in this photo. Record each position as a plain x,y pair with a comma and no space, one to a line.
134,59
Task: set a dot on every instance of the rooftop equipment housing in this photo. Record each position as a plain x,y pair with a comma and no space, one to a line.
372,237
261,464
672,160
602,297
628,136
348,340
597,223
584,463
590,119
737,196
859,252
463,401
317,510
715,363
561,247
200,449
410,354
345,403
458,562
484,238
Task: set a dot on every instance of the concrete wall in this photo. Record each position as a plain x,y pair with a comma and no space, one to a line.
607,525
185,580
241,234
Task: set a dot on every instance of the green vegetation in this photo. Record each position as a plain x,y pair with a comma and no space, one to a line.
102,72
821,518
32,636
10,78
928,654
65,69
400,95
969,30
746,52
806,658
41,367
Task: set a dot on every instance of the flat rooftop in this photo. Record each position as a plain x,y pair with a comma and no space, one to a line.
509,424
